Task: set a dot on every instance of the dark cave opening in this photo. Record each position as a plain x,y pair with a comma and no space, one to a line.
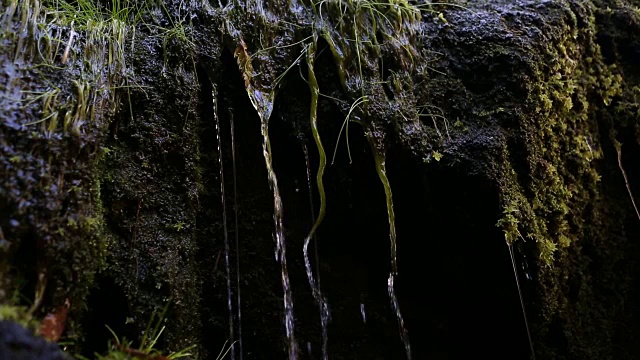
456,286
352,240
448,244
456,282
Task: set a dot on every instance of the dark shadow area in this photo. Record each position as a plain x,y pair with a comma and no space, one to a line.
109,307
208,223
620,255
456,284
355,249
261,304
456,281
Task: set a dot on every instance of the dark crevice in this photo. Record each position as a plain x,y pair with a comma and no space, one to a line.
207,220
109,307
354,248
456,275
260,286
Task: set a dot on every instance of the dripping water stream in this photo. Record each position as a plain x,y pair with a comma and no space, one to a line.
524,311
224,225
323,306
281,251
236,233
311,207
262,102
379,157
315,285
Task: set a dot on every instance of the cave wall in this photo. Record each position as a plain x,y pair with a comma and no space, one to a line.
493,113
562,199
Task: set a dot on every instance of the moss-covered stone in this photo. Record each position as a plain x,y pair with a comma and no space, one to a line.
54,119
550,164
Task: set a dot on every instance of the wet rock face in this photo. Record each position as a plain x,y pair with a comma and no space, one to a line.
507,69
510,117
18,343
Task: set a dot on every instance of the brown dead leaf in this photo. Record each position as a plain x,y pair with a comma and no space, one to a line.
52,326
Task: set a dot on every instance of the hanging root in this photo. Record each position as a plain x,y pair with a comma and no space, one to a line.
40,288
315,286
618,147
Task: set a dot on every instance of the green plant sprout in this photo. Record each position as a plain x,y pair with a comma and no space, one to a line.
123,349
345,124
225,350
176,31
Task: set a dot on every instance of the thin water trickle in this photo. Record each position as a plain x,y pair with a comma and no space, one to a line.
396,308
525,267
325,315
281,250
262,100
312,208
524,311
224,225
364,315
379,157
313,116
237,236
